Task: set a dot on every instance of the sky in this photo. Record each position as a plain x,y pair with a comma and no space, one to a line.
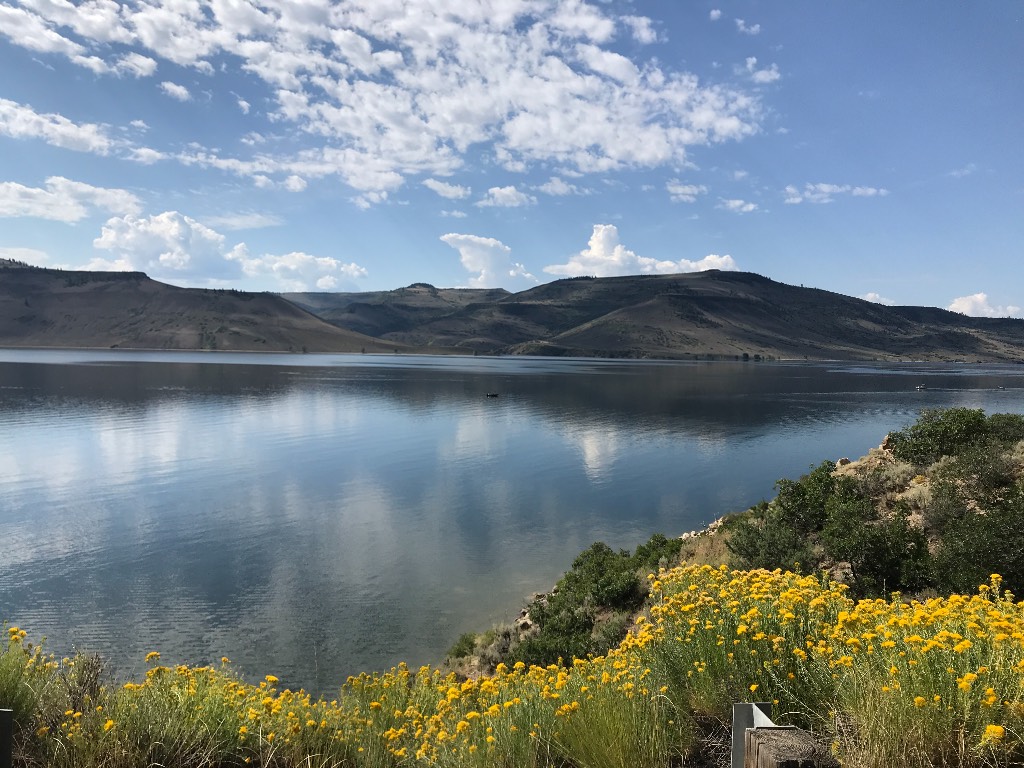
869,148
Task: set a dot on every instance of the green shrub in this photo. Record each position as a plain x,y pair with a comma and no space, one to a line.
938,433
464,646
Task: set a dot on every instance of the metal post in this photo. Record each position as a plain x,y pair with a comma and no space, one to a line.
746,715
6,738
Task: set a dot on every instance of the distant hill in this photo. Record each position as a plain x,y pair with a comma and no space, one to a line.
55,308
707,315
703,315
401,311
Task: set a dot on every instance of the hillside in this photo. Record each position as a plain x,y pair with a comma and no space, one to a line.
705,315
709,315
401,311
54,308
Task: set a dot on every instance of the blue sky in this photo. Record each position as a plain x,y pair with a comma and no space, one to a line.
869,148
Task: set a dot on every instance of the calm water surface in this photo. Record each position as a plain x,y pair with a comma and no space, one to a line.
320,515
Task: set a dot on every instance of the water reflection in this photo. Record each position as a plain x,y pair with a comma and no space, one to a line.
317,516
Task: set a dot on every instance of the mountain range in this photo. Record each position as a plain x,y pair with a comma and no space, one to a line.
701,315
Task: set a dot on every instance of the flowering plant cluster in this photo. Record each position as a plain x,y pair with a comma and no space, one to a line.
934,682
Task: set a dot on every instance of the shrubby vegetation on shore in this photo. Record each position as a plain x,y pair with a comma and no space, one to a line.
881,680
939,507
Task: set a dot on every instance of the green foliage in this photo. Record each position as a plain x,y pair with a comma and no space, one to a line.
938,433
975,545
885,554
776,534
588,612
763,538
973,505
464,646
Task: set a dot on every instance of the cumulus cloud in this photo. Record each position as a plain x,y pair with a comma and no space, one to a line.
558,187
977,305
642,29
136,65
826,193
505,197
168,244
21,121
145,155
175,91
244,106
488,260
684,193
384,92
298,271
605,256
715,14
444,189
742,26
761,76
63,200
967,170
737,206
877,298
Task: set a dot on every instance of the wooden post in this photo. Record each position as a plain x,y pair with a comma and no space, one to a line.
784,747
6,738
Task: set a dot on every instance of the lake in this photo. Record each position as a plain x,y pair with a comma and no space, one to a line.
317,516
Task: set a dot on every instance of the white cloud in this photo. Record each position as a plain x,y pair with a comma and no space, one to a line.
684,193
30,31
505,197
454,214
977,305
136,65
826,193
21,121
641,28
295,183
558,187
605,256
244,106
63,200
175,91
715,14
967,170
741,26
608,63
489,260
145,155
450,191
388,91
168,244
234,221
762,76
878,299
25,255
299,271
737,206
